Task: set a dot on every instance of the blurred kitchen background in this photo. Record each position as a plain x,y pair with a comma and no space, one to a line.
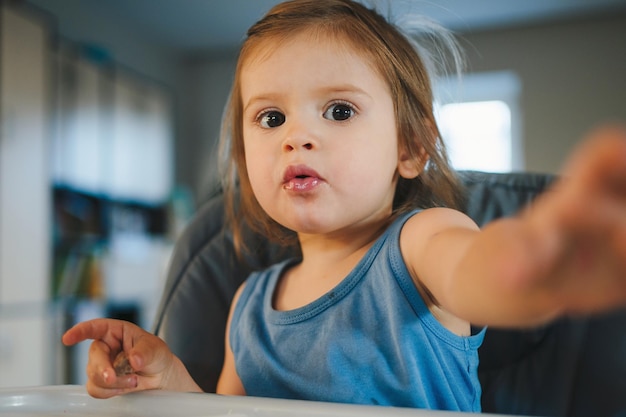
109,119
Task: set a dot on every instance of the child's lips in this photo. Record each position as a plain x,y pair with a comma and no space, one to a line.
300,178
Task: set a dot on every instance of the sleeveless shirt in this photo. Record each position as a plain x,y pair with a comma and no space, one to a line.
369,340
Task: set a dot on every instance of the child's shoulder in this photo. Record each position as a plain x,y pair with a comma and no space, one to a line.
432,221
432,235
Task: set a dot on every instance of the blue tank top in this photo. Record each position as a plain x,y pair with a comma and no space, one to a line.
370,340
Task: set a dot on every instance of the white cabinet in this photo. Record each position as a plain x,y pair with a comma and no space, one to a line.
141,164
114,131
80,119
64,120
25,202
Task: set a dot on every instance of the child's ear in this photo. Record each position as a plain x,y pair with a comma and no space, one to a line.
410,166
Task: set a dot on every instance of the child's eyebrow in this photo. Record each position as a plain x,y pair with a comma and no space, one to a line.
324,91
260,98
345,89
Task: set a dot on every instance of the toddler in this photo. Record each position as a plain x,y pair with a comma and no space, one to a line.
333,146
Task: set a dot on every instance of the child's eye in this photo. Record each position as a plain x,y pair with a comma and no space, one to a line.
339,112
271,119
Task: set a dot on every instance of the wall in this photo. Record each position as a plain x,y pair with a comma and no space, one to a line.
572,80
128,47
208,85
572,75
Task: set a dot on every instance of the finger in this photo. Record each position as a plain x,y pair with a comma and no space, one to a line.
113,332
97,391
114,386
593,186
92,329
101,374
601,157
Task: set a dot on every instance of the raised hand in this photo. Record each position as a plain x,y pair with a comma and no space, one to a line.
584,225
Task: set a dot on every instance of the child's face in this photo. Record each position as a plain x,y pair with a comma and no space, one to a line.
319,136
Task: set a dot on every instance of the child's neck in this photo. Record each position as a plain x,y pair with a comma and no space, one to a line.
326,261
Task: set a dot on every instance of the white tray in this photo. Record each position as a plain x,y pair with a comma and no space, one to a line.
73,400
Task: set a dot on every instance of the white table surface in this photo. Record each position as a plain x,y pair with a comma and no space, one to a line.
73,400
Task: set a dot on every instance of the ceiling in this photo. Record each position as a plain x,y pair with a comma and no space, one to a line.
191,25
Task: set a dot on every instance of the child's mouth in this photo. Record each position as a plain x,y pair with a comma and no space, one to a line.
300,178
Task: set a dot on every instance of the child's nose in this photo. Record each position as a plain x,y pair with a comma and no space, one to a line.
298,137
289,146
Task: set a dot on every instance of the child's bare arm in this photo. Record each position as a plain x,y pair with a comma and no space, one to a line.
564,255
229,382
149,364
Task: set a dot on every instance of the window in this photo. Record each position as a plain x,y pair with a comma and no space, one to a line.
479,121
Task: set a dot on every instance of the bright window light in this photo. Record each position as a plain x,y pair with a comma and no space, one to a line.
479,120
478,135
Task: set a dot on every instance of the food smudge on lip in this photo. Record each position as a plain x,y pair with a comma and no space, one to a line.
302,184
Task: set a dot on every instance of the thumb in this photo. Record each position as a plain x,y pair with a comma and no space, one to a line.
149,355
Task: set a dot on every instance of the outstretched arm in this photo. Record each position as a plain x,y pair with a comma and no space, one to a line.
565,254
154,365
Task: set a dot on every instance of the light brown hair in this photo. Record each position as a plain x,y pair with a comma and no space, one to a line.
402,68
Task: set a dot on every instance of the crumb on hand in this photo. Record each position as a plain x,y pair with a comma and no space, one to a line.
122,365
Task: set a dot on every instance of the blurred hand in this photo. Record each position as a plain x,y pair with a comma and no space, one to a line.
583,226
